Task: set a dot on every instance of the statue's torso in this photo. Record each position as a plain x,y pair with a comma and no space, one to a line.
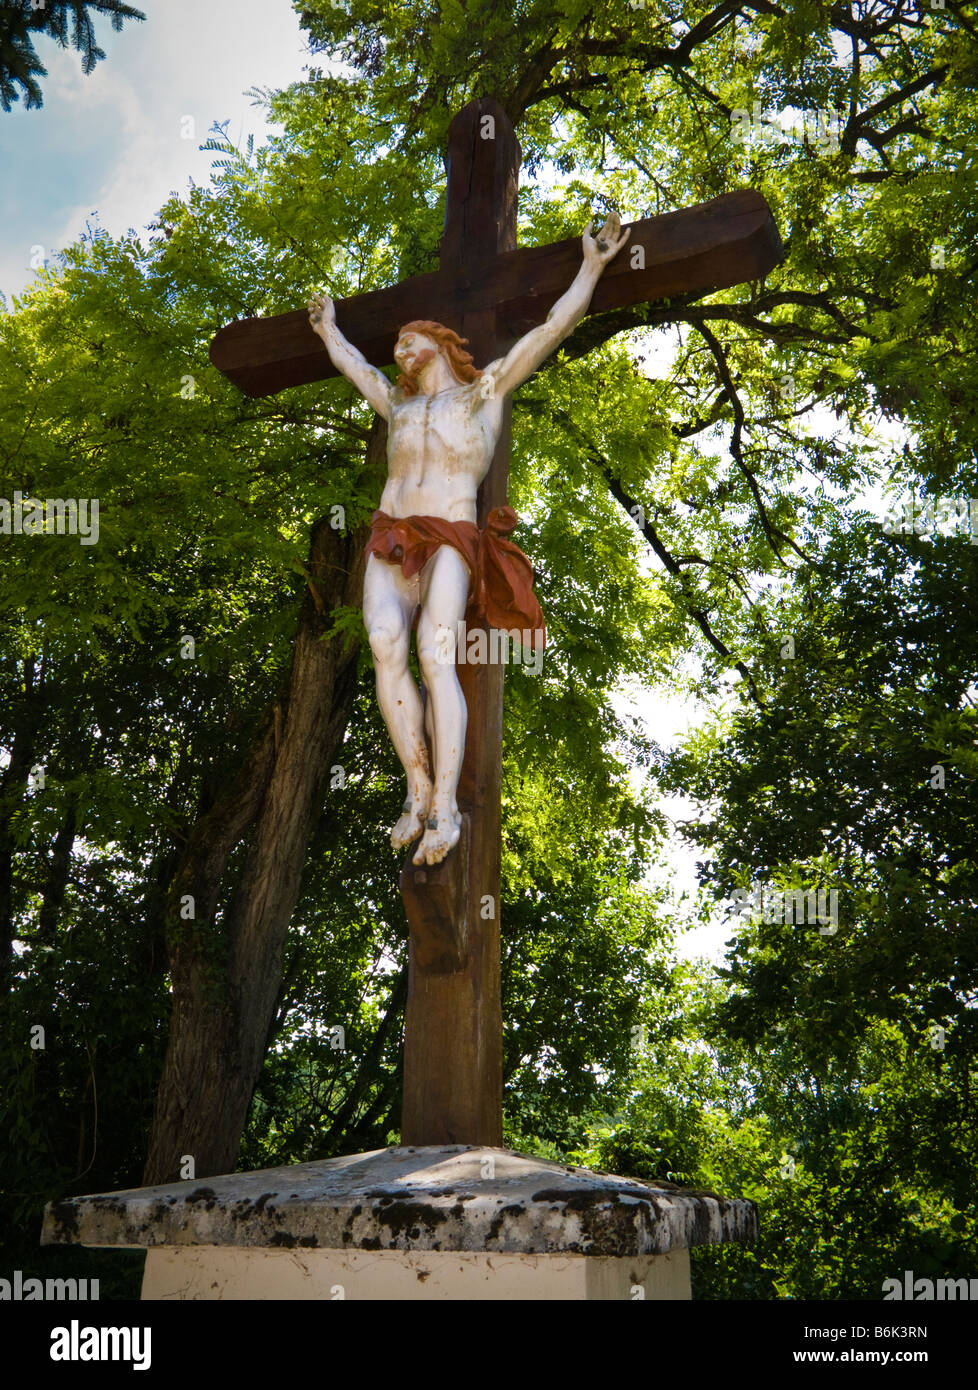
438,451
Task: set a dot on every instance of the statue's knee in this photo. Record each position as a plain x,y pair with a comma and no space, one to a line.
436,657
436,651
386,643
426,660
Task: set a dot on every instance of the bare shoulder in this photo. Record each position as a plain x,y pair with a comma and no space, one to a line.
491,370
486,385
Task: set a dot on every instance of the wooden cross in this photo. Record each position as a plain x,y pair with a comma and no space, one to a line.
491,293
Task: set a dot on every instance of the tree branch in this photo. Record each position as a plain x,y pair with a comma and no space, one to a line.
736,450
855,131
671,563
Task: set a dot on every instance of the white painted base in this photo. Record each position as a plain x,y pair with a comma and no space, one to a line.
249,1272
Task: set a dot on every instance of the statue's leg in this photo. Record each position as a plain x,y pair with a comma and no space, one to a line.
444,595
389,601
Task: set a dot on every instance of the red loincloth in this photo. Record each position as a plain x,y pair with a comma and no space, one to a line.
500,575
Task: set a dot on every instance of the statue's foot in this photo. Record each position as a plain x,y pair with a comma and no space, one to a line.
441,835
411,824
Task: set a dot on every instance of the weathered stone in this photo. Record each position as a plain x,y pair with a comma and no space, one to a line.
448,1199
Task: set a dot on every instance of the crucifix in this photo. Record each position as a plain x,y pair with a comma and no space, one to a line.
491,296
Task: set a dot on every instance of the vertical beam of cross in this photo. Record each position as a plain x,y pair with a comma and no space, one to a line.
453,1019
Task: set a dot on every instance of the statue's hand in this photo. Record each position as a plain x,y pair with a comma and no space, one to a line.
600,249
322,314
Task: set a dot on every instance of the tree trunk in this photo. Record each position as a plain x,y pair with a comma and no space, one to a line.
226,976
13,790
56,876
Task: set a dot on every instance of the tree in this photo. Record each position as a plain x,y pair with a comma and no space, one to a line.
22,20
859,1037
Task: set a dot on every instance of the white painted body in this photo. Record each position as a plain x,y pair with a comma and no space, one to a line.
440,446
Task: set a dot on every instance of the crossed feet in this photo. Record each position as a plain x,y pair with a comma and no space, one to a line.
441,824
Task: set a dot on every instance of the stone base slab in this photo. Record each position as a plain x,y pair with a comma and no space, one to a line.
456,1221
223,1272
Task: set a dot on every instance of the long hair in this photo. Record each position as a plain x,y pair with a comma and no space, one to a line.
459,361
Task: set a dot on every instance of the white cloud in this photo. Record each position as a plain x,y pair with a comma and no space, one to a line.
111,142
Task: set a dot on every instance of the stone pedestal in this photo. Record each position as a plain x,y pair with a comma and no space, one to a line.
452,1222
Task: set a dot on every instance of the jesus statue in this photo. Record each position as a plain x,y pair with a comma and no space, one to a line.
426,554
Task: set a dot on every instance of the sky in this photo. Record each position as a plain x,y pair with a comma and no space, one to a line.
114,144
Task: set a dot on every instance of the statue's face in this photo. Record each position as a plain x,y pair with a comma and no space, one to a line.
413,351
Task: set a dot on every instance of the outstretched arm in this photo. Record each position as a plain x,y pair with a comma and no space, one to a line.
371,383
536,346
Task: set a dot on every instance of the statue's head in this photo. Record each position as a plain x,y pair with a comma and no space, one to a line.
422,339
